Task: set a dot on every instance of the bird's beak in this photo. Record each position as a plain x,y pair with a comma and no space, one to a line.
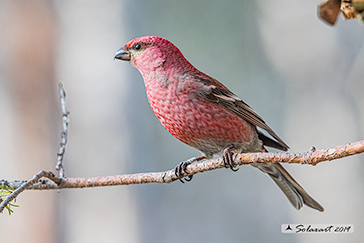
122,55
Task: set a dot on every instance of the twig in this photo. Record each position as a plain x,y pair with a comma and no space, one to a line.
25,185
65,122
313,157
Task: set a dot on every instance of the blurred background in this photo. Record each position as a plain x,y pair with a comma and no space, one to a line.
302,76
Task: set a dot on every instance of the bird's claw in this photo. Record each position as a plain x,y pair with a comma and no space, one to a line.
181,168
228,159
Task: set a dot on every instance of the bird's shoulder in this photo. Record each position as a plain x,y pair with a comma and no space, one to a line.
211,90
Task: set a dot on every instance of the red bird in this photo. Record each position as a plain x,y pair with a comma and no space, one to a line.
201,112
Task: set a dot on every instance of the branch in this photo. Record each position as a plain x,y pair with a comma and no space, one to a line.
23,186
313,157
59,166
65,122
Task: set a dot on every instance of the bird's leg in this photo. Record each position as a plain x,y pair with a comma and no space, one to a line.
182,168
228,159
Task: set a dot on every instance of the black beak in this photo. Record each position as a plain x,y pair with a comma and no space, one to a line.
122,55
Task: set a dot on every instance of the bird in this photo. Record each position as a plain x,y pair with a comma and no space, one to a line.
201,112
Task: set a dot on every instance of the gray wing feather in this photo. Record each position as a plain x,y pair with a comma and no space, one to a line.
233,103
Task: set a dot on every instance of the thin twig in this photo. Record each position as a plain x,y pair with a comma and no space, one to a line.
23,185
26,185
65,122
313,157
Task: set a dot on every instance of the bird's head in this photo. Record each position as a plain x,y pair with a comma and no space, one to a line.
149,52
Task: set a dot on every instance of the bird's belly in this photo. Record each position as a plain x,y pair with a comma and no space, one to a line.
203,125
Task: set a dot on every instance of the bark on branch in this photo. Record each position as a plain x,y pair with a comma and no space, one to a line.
313,157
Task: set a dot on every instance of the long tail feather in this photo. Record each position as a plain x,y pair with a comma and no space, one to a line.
294,192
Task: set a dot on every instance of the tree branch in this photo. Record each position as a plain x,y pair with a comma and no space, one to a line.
23,186
313,157
65,122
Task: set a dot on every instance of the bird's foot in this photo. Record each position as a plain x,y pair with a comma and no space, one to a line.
228,158
182,168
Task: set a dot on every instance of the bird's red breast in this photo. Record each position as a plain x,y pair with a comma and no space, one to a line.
206,126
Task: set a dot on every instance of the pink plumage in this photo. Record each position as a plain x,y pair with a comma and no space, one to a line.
194,121
201,112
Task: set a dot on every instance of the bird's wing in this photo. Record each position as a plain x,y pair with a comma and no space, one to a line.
215,92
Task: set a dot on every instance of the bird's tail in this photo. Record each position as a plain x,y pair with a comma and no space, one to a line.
294,192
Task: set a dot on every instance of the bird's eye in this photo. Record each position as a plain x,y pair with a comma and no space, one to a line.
138,47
